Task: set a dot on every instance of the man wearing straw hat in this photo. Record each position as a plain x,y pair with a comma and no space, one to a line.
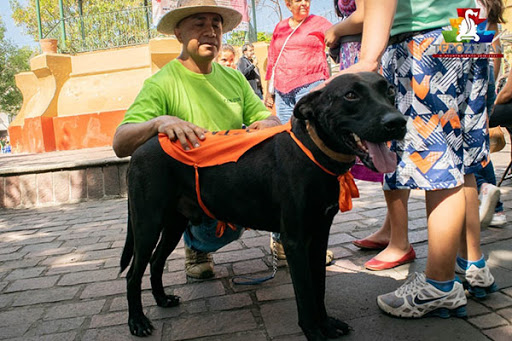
191,95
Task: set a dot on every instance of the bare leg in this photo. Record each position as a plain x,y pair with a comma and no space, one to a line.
445,213
470,238
398,221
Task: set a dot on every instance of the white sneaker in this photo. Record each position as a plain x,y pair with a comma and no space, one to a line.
417,298
498,219
488,197
478,281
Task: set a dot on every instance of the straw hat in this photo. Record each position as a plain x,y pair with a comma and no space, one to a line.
185,8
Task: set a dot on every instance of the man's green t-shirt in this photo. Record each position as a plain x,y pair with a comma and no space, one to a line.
220,100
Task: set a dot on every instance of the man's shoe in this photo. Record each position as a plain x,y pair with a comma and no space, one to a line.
498,219
418,298
377,265
198,264
478,281
279,250
488,197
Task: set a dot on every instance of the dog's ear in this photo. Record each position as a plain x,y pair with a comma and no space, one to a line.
305,108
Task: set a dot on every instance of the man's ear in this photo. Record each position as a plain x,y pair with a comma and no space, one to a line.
305,108
177,33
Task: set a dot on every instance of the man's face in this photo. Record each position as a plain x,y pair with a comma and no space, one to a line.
200,35
249,53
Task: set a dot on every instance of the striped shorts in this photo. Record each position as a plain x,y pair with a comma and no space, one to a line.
445,105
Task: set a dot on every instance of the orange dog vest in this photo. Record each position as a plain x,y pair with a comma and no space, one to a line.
228,146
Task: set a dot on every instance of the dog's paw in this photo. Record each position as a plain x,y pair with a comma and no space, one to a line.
167,301
334,328
140,325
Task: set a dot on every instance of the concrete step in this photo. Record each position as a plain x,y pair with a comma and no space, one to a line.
54,178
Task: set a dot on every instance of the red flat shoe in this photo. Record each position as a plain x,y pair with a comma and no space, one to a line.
366,244
376,265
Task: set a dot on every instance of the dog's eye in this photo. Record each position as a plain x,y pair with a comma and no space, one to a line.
391,91
351,96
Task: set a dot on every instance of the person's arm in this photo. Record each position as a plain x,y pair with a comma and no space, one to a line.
353,24
130,136
505,95
496,47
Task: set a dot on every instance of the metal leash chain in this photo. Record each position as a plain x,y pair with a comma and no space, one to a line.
253,281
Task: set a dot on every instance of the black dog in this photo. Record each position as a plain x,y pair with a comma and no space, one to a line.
274,187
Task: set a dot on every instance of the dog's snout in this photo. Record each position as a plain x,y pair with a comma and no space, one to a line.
394,122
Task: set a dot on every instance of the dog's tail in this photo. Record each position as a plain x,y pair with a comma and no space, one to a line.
127,254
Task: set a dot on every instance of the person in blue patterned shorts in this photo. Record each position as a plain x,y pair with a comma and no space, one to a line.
446,142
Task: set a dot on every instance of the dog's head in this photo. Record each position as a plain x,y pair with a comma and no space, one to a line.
355,114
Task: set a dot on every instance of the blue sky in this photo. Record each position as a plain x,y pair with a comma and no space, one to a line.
266,19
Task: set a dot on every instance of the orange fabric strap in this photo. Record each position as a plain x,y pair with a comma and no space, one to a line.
348,188
221,225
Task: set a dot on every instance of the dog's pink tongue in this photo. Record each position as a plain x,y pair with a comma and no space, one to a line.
383,159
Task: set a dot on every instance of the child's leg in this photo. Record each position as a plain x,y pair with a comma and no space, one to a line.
445,214
470,237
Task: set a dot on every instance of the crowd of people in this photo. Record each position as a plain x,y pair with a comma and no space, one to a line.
5,145
450,160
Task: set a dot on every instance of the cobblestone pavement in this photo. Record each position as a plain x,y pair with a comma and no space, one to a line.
59,280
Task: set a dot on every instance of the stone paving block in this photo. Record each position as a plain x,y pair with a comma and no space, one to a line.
282,277
418,236
12,192
120,333
88,277
12,256
96,247
499,334
249,267
209,325
56,326
109,288
256,241
240,336
339,238
123,187
20,316
66,336
78,184
74,267
9,249
2,193
275,293
280,318
14,331
61,190
51,252
475,308
120,303
70,310
200,290
488,321
63,259
112,181
236,256
28,188
506,313
44,188
109,319
32,283
497,301
174,278
18,264
340,252
32,297
95,185
101,254
228,302
42,246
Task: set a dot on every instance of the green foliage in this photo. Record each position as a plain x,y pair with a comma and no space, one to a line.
13,60
264,36
104,23
236,38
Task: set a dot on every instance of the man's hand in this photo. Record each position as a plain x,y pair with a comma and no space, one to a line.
271,121
177,129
